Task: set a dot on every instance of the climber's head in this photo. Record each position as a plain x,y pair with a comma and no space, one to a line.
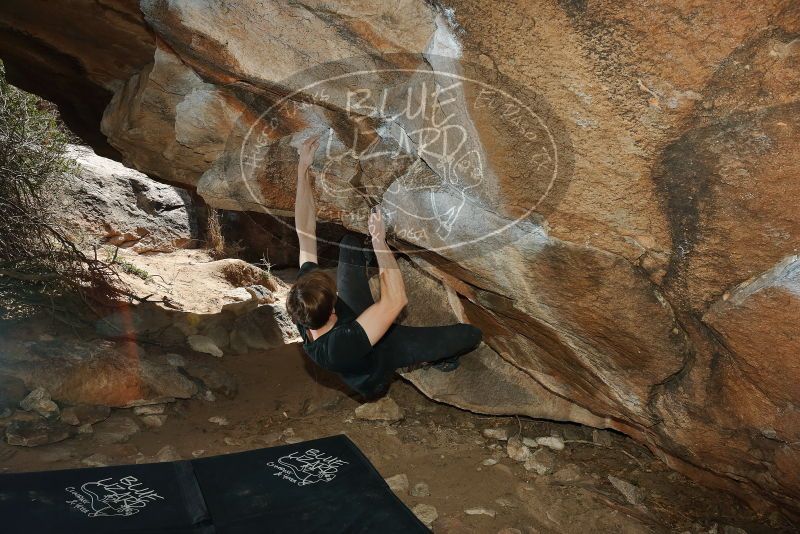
311,299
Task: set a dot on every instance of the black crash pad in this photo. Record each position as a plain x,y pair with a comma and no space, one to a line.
320,486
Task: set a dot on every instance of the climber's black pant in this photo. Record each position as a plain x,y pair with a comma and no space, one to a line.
401,346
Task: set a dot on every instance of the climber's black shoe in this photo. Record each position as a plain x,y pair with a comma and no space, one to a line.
447,365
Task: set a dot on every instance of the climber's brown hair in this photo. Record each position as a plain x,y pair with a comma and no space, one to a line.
311,299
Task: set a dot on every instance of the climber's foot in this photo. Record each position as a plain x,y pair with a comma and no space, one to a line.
446,366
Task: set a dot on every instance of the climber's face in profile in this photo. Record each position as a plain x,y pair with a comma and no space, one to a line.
311,300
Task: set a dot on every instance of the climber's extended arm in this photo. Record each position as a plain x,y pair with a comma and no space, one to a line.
377,319
305,212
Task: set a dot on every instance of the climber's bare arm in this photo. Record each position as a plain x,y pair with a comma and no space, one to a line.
305,212
377,319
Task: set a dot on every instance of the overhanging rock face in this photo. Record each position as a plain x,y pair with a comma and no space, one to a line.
609,191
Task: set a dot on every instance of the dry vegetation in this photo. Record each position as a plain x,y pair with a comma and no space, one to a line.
216,244
243,274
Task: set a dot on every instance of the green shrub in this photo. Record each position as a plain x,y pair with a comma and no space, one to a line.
39,264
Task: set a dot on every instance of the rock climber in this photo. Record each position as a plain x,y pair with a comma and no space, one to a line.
343,329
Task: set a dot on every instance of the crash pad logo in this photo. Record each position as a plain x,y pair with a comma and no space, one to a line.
309,467
111,497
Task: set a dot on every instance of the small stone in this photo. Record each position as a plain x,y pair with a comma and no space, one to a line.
384,409
530,442
209,396
214,377
167,453
632,494
420,489
489,461
92,414
398,483
532,464
83,414
35,433
552,442
293,440
205,345
516,450
500,434
86,429
198,453
541,462
425,513
602,437
97,460
149,409
505,502
219,420
480,511
568,473
154,421
39,401
232,442
175,360
115,430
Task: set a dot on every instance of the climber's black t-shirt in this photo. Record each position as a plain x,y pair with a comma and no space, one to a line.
345,348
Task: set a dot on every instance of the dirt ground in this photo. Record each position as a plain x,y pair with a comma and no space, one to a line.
282,397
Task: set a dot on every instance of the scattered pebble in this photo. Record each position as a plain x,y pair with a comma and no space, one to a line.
500,434
420,489
568,473
86,429
39,401
175,360
198,453
384,409
489,461
149,409
232,442
552,442
541,462
398,483
204,344
83,414
167,453
632,494
115,430
219,420
516,450
293,440
426,513
96,460
154,421
480,511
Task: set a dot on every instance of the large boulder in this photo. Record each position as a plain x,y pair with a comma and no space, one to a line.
607,189
107,203
95,372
